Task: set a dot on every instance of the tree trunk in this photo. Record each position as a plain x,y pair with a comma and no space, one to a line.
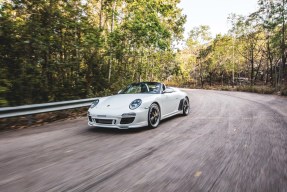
283,73
252,68
111,54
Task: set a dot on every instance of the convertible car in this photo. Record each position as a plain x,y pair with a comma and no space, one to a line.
138,105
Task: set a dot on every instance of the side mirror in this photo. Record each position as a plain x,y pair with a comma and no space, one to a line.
167,91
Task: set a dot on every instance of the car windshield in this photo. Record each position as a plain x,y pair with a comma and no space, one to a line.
145,87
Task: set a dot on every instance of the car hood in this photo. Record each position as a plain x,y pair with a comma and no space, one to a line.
121,101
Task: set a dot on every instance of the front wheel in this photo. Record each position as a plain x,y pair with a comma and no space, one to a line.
153,116
185,107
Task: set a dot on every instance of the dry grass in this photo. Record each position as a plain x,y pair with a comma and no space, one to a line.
40,119
284,91
261,89
257,89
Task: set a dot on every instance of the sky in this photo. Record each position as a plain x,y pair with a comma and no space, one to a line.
214,13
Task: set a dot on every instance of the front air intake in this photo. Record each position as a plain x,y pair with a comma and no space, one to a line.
127,120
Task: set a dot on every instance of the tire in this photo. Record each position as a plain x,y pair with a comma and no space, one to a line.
185,107
153,116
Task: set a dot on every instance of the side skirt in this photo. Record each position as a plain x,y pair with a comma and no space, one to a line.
171,114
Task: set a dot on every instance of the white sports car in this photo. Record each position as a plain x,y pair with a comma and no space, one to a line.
138,105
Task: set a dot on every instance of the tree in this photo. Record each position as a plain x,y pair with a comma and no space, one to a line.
250,42
198,41
59,50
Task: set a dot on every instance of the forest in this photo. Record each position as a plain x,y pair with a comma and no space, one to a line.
55,50
252,53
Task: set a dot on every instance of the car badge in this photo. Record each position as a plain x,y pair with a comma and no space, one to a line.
108,105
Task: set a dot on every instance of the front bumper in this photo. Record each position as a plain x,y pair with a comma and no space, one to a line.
131,119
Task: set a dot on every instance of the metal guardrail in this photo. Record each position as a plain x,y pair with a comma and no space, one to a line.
7,112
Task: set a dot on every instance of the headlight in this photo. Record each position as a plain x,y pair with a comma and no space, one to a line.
135,104
94,104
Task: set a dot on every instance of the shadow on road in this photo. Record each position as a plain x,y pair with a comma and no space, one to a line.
116,131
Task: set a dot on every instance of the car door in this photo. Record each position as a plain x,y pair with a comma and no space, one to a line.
169,102
174,100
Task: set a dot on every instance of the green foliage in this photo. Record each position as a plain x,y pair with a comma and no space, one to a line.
3,102
61,50
254,50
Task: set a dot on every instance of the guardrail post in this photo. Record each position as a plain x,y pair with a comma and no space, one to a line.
31,119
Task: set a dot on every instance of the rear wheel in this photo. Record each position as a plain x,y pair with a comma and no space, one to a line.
185,107
153,116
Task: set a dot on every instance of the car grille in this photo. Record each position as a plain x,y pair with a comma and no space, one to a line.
102,121
127,120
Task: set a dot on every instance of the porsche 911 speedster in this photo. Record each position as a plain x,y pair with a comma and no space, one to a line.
138,105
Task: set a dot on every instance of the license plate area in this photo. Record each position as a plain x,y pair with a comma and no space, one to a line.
105,121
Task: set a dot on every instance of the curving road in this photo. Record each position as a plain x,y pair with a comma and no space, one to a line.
231,141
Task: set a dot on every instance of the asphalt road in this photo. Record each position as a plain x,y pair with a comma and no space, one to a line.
230,142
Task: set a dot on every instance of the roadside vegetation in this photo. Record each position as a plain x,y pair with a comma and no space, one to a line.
250,57
62,50
16,123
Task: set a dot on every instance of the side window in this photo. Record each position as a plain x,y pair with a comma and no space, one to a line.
163,87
